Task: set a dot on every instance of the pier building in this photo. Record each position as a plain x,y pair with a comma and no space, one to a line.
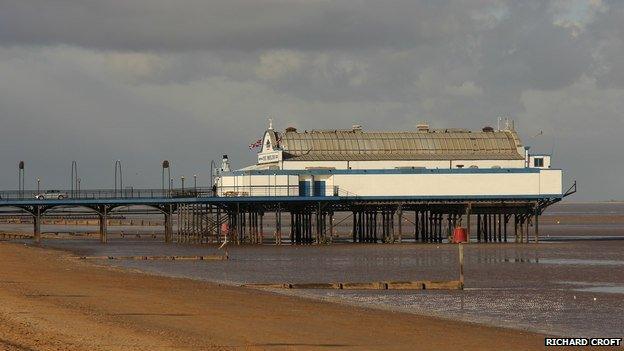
424,163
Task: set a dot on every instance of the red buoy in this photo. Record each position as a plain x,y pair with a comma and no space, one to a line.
460,235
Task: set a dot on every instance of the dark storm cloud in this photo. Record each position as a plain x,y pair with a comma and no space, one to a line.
226,24
144,80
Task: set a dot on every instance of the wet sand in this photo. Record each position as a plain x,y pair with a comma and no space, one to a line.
54,302
561,288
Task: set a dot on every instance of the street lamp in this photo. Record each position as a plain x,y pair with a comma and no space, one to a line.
74,177
118,166
182,179
38,183
195,182
20,167
165,165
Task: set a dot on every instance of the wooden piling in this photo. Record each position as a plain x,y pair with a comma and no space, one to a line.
461,264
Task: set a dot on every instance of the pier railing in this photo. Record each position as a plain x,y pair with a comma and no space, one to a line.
127,193
130,193
280,190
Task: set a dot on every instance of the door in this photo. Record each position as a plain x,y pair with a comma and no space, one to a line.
304,188
319,188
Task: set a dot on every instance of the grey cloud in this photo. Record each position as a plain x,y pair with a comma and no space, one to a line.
162,25
148,80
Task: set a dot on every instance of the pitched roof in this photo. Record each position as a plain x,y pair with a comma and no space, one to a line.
358,145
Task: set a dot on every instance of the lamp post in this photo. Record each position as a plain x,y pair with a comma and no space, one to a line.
20,175
118,166
165,165
38,183
195,182
182,179
74,177
212,168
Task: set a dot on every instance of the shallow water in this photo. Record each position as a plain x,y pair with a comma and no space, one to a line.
571,288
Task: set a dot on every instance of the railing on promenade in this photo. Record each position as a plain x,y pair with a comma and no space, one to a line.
133,193
280,190
128,193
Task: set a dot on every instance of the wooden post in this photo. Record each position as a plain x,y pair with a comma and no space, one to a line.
461,265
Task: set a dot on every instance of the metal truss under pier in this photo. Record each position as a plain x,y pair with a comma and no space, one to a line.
305,220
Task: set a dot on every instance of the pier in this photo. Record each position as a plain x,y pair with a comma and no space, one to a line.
202,217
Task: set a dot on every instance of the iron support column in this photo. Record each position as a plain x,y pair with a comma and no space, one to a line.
37,225
103,224
168,225
536,225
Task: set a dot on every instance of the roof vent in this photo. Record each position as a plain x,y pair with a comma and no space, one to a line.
291,130
357,128
423,127
488,129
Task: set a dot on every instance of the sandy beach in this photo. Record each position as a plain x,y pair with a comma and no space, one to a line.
52,301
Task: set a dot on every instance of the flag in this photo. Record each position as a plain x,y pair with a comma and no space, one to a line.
256,144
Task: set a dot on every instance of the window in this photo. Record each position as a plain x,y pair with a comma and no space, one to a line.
538,162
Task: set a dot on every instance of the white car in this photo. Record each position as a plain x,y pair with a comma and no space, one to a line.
51,194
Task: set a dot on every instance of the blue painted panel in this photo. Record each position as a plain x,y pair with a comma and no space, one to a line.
304,188
319,188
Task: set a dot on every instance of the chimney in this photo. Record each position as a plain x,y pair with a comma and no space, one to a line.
423,127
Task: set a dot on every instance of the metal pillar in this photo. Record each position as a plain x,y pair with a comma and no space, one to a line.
331,226
478,228
468,215
278,225
416,227
506,221
354,229
400,224
261,232
218,224
536,225
103,224
526,229
37,225
168,225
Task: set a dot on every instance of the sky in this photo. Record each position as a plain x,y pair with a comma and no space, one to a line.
189,80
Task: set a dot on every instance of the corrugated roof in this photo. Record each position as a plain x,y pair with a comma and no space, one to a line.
357,145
